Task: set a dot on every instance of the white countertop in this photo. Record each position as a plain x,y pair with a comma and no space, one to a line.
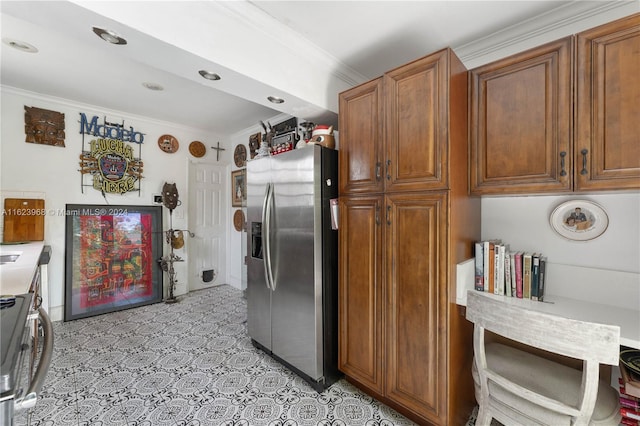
576,297
15,277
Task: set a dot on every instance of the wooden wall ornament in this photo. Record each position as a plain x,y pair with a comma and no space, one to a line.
197,149
238,220
240,155
42,126
168,144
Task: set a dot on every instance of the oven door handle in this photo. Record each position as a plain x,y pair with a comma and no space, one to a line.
30,398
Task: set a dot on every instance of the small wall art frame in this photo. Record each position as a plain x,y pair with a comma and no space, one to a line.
579,220
238,187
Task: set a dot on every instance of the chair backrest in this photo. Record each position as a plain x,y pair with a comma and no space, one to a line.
591,342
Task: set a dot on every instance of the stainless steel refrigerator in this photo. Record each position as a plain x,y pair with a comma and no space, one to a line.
292,264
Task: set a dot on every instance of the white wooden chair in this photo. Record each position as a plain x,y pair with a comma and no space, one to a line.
518,388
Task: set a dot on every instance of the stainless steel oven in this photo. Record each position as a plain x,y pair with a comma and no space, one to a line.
24,364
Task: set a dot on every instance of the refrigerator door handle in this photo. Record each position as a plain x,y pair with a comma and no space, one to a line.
266,221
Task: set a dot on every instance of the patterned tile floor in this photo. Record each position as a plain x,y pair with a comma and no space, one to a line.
189,363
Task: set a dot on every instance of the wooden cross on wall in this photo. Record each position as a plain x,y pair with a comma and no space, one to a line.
218,149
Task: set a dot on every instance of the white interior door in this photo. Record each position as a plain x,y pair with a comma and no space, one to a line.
207,219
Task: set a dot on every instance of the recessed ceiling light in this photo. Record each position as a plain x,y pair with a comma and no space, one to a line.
108,35
153,86
209,75
20,45
275,100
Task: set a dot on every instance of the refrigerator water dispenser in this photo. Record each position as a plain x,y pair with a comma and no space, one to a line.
256,240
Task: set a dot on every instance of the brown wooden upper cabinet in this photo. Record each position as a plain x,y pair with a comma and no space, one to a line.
394,130
607,131
523,136
361,138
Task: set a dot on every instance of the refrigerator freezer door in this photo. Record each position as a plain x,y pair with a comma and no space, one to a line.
296,257
258,292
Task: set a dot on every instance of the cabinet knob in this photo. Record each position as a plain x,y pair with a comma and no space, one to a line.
377,214
584,153
388,170
388,215
563,172
378,171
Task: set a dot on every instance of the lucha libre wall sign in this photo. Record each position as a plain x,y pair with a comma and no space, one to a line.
110,159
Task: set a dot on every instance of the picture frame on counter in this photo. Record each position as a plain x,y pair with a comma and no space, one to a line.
111,258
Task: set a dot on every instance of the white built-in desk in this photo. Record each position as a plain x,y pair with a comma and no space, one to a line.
627,319
605,297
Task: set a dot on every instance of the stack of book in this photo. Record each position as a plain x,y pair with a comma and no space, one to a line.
630,386
501,271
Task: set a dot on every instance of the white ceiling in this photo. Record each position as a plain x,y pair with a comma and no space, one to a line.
303,51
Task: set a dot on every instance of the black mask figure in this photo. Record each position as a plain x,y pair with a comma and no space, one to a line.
170,195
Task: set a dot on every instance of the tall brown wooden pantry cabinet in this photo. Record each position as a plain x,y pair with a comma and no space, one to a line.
405,222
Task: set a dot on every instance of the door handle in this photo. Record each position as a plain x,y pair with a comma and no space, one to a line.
31,396
266,224
584,153
563,172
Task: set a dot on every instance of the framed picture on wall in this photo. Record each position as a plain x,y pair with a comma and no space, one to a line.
238,188
111,259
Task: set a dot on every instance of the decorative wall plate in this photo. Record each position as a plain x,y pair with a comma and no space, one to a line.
240,155
197,149
579,220
238,220
168,143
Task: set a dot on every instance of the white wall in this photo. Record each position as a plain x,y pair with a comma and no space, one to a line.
237,239
523,222
610,262
27,168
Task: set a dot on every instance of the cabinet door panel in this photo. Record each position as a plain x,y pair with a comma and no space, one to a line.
608,98
416,302
361,143
360,287
416,124
521,122
505,122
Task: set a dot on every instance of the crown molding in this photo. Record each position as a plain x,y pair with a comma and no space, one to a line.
95,109
288,39
568,19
